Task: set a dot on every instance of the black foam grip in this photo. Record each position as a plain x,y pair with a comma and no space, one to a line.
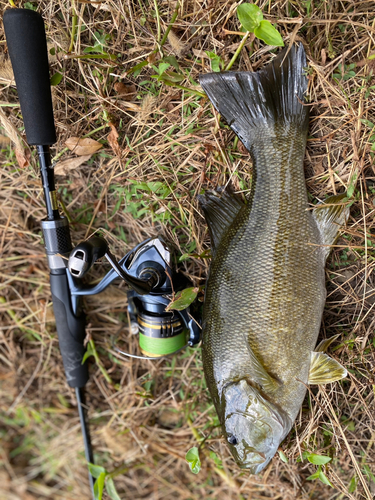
26,39
70,330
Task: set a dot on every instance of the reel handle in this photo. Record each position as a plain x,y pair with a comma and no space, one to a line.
27,45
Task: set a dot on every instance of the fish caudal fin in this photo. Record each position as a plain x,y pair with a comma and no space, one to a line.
274,95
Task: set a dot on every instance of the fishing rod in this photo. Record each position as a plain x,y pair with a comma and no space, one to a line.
148,269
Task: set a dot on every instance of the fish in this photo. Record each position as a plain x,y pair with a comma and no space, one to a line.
265,292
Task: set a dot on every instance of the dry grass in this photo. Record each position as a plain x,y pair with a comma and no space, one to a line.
166,135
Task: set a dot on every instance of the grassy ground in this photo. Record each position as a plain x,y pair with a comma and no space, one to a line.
169,149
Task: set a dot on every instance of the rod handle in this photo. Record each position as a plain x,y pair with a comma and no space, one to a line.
27,46
70,330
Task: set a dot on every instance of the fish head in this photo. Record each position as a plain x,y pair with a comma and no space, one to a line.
253,426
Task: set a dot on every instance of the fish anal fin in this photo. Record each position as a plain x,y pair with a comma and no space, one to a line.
330,216
261,376
324,370
220,208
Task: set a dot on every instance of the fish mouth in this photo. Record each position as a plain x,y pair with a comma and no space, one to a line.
250,460
254,463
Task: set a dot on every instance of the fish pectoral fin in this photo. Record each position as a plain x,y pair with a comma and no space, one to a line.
262,377
330,216
324,344
220,208
324,370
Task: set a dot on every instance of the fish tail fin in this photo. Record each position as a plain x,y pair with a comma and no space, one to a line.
255,104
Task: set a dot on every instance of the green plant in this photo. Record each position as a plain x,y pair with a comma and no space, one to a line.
217,63
103,480
91,351
192,458
320,461
372,137
251,18
345,72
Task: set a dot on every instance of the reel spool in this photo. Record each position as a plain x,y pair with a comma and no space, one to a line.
148,270
160,335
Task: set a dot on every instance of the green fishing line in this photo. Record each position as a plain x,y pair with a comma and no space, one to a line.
162,347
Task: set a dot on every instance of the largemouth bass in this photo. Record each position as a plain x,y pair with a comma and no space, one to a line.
266,288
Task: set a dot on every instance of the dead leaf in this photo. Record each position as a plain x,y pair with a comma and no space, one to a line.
324,57
126,91
151,58
22,155
200,53
22,159
241,148
83,147
6,71
72,163
318,168
112,139
4,141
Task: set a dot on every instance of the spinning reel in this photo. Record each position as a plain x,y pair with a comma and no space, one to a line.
149,271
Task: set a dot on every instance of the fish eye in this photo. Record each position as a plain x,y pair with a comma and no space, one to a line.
232,440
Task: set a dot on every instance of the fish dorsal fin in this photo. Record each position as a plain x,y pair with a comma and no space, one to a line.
220,208
268,383
324,370
330,216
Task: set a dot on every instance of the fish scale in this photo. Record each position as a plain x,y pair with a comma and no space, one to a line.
265,292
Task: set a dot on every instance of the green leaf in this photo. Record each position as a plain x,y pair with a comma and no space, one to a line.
314,476
171,76
367,122
111,489
216,459
183,299
56,79
318,459
216,61
89,352
269,34
250,16
372,57
99,486
324,479
31,6
351,187
96,470
283,457
369,474
352,485
163,67
172,61
192,458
